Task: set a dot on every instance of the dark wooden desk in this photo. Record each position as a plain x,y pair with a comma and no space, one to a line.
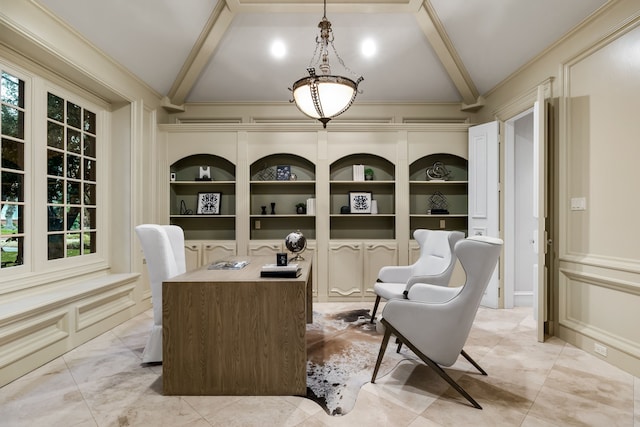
231,332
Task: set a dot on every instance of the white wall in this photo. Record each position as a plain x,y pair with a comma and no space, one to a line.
68,306
594,74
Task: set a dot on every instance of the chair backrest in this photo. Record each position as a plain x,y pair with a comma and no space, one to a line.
163,248
478,256
176,238
437,255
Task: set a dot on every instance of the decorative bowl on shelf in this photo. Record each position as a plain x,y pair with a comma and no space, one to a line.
296,243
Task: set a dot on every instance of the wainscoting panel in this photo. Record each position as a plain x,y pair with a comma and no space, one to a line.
24,337
38,328
103,306
598,308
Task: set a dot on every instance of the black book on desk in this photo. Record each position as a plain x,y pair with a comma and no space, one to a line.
286,271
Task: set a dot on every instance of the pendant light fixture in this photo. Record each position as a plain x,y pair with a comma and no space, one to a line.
325,96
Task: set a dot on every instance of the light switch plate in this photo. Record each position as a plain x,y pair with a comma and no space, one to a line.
578,203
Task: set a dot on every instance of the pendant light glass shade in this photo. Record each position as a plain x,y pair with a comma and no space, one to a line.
324,97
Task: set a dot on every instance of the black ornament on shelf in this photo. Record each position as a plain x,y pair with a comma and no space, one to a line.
268,173
438,203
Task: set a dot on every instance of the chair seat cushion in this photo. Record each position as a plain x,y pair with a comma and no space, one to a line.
390,290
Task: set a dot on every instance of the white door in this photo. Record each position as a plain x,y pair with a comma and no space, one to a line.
540,173
484,193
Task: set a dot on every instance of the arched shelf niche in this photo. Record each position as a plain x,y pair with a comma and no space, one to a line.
348,184
426,194
203,197
279,184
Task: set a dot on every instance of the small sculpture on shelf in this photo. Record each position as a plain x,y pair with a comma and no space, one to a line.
438,172
204,174
266,174
301,208
296,243
438,203
184,210
273,208
264,210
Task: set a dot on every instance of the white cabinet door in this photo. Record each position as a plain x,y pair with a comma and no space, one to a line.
216,250
354,266
310,253
265,247
484,193
376,256
192,254
345,269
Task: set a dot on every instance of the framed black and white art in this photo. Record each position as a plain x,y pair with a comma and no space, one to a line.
209,203
360,202
283,172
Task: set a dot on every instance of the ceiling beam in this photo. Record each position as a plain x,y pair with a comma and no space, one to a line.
316,6
200,55
439,40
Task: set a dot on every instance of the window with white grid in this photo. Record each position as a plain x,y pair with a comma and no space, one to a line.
71,179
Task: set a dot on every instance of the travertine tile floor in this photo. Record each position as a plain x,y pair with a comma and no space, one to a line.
102,383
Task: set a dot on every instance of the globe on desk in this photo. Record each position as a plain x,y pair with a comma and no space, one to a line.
296,243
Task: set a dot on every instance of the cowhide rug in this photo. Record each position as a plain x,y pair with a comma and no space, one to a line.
342,349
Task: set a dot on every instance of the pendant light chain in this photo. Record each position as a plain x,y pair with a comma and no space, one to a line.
359,78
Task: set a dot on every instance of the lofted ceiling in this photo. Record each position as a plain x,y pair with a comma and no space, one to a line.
425,51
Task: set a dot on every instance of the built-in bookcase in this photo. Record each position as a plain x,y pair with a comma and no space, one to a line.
186,186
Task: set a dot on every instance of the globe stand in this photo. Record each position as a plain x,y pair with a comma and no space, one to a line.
297,257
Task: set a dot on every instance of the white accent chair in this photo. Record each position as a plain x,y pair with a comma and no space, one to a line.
163,247
435,266
434,322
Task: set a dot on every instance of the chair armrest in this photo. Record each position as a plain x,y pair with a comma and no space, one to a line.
433,294
395,273
432,279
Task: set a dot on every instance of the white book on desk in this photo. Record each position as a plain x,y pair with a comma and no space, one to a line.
275,267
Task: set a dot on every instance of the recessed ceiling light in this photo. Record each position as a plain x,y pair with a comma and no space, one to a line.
278,49
368,48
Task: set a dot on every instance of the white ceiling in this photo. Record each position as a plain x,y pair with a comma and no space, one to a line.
431,51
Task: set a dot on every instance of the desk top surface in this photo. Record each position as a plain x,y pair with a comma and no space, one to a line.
249,273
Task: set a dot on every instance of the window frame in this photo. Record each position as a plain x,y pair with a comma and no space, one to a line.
27,213
36,269
99,256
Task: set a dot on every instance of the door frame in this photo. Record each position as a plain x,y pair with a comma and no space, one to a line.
541,93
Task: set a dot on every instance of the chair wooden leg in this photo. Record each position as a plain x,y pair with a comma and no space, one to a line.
473,362
375,308
383,348
433,365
